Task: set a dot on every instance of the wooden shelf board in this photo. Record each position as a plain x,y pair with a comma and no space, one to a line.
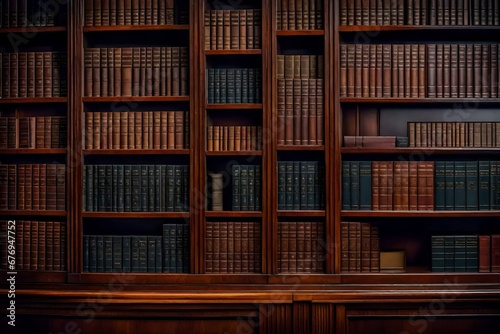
384,100
376,28
233,153
426,150
233,214
145,27
410,277
33,213
316,32
31,30
33,151
300,147
33,100
34,276
135,214
301,213
136,152
233,52
444,214
234,106
104,99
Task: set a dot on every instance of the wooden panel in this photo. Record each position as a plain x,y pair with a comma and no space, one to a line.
276,319
301,317
323,318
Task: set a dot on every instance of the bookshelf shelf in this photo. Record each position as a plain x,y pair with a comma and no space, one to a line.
375,100
135,214
33,151
233,52
226,106
233,214
34,276
318,32
37,213
105,99
431,28
31,30
301,213
168,27
232,153
136,152
300,147
426,150
33,100
423,214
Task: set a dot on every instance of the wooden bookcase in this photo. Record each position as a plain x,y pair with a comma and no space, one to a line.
314,292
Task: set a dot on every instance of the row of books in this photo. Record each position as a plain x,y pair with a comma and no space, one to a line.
387,185
247,188
301,247
419,12
135,12
138,253
234,138
136,71
233,29
234,85
301,185
489,253
26,13
300,66
33,132
360,247
135,188
33,187
299,14
375,141
467,185
40,245
454,134
137,130
455,253
300,112
233,247
33,74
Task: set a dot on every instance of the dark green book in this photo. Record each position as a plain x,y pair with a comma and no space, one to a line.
127,188
460,191
170,197
236,188
237,85
100,253
101,186
223,85
163,188
460,253
217,97
303,188
318,186
494,185
472,192
179,239
258,189
135,187
230,83
312,185
90,188
178,188
251,86
471,253
157,187
143,254
402,142
127,253
296,185
151,254
449,184
144,188
449,253
244,187
365,185
96,187
251,187
117,254
173,250
114,173
166,247
151,188
84,189
120,188
108,253
437,245
185,249
244,85
134,255
346,185
289,185
439,196
484,185
211,85
92,253
108,188
322,187
281,185
158,254
354,185
185,188
86,253
258,86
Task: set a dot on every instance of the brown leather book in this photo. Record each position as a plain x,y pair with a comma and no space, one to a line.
365,71
430,185
175,71
41,245
234,29
387,70
27,246
484,254
462,74
97,13
421,186
305,120
413,186
209,244
313,114
39,80
127,12
112,12
149,70
291,15
22,73
103,130
446,70
374,249
351,56
289,134
135,8
19,244
304,67
250,30
405,192
171,130
358,81
219,29
21,193
184,71
281,111
320,111
123,129
469,70
477,70
242,26
397,70
103,71
495,253
440,71
344,242
49,245
89,13
138,132
211,30
156,70
56,259
47,132
405,66
35,192
343,70
136,71
431,70
454,78
494,70
226,36
179,129
485,70
372,72
117,60
51,184
414,80
89,130
130,129
365,247
397,186
145,130
34,246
